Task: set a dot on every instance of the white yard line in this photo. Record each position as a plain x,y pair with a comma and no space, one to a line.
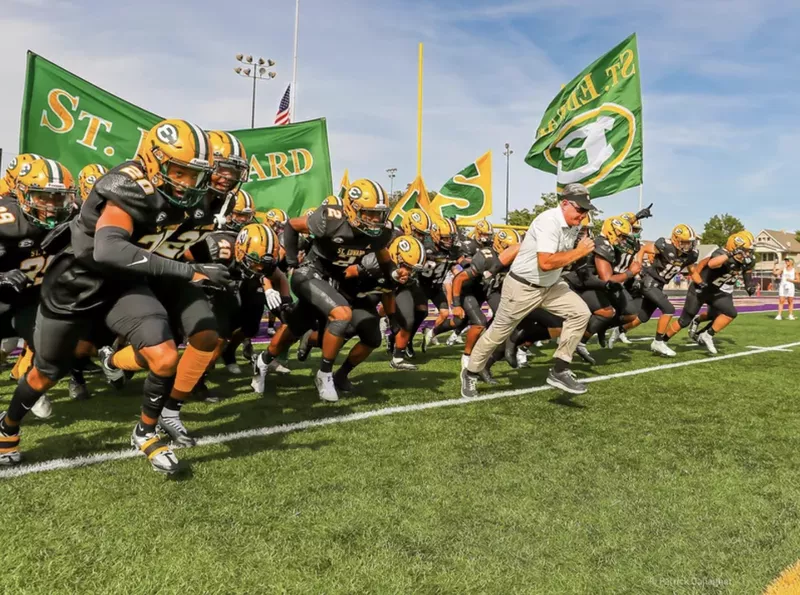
72,463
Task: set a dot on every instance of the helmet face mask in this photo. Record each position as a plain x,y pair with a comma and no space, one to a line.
684,238
618,232
47,208
230,163
227,177
46,193
276,219
184,184
740,246
243,212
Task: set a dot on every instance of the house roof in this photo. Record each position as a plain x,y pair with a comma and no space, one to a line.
784,238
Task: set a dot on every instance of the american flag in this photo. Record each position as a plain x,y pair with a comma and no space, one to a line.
282,117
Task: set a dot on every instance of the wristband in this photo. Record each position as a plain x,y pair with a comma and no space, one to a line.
456,301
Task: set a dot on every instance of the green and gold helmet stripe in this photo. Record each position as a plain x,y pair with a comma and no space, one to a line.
200,141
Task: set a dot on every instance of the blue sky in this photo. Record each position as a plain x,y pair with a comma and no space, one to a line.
720,83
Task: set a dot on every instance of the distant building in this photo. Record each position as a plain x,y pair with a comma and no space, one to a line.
771,248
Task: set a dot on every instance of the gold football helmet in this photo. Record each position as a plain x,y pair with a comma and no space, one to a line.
46,192
408,252
483,233
334,201
308,212
740,245
416,223
276,219
366,207
444,233
230,162
683,238
505,238
87,178
619,234
8,183
636,227
178,161
257,250
243,212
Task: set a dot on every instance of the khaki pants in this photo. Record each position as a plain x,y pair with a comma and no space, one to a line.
516,302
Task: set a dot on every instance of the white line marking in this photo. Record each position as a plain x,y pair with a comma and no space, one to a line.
757,348
58,464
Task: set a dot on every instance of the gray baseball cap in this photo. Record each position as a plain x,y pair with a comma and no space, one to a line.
579,194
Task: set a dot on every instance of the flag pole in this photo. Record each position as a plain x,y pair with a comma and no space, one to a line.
419,115
641,193
294,62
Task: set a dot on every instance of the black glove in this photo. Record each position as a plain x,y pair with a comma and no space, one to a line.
15,279
700,287
218,275
613,286
751,290
644,213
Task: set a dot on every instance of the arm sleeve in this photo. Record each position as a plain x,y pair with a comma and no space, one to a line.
112,248
291,240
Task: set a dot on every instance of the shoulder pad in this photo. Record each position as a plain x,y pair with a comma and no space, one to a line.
661,244
135,196
603,249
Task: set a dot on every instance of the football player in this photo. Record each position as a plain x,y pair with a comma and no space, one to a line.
107,275
482,281
667,257
8,183
87,178
604,271
252,256
441,261
276,219
411,302
340,237
190,311
723,267
42,197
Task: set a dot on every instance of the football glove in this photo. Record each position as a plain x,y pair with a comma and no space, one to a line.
751,290
15,279
273,299
699,287
644,213
218,275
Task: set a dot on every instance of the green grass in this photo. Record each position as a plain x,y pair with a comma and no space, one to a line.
680,480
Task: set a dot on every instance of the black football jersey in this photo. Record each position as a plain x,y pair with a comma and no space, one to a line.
20,248
156,221
437,264
728,272
582,274
466,250
335,245
216,247
668,261
482,261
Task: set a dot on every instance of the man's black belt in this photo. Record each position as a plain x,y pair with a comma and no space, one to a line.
525,281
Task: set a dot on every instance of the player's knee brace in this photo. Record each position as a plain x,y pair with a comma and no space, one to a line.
339,328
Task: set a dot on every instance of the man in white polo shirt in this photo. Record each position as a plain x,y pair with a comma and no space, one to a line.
535,282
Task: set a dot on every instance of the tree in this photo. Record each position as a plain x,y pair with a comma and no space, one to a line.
719,228
523,217
797,236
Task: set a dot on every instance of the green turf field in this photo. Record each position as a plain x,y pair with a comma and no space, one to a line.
681,480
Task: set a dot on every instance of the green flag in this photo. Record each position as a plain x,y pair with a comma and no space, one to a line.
75,122
467,196
592,131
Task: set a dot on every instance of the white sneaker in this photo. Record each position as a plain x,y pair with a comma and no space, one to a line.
452,339
114,376
233,369
384,325
540,344
661,348
623,338
522,357
259,375
325,387
464,361
707,341
43,408
779,317
462,336
613,337
791,317
160,455
694,325
276,367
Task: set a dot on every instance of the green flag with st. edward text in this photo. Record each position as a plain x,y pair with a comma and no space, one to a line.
592,131
75,122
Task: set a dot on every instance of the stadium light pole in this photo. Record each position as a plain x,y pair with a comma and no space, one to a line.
392,171
256,70
507,153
